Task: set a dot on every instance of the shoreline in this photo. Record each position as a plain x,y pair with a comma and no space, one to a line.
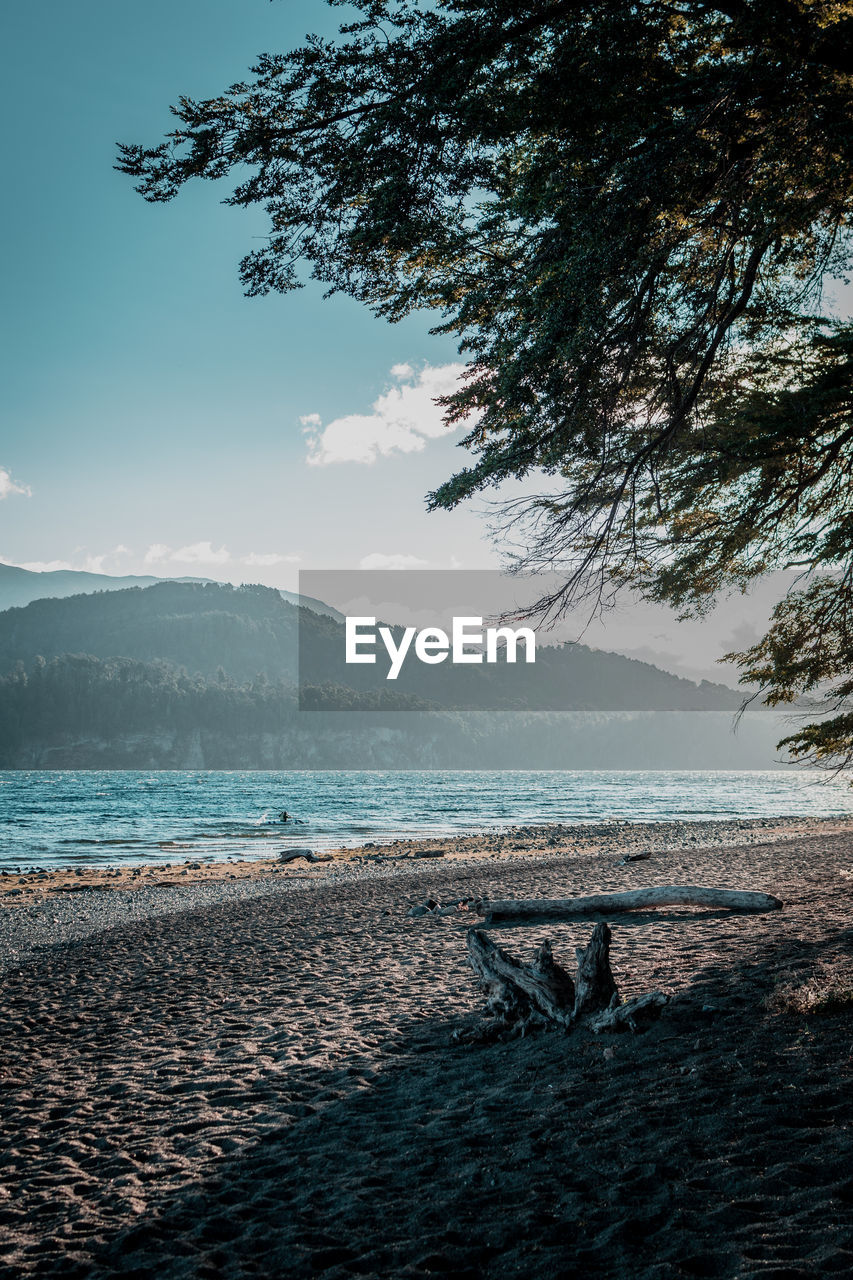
45,910
25,887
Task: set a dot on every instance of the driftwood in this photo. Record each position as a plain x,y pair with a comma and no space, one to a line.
631,1015
521,996
596,987
290,855
532,910
514,989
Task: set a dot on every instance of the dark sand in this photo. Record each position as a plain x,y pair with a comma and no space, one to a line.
268,1087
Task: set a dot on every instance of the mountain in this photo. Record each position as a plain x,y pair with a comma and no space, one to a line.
692,647
241,632
19,587
203,675
198,626
650,633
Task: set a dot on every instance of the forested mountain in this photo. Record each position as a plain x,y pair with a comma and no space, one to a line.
204,675
244,632
19,587
84,712
198,626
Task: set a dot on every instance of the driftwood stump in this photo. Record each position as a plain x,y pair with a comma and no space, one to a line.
521,997
595,988
515,990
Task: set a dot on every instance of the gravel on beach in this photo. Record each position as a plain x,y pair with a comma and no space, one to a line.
259,1077
45,912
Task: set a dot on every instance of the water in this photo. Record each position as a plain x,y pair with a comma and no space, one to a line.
106,818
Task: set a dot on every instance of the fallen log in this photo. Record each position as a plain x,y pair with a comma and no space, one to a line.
533,910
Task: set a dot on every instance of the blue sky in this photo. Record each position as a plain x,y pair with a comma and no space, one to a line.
145,404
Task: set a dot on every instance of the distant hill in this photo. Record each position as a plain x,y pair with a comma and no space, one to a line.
19,587
242,632
203,675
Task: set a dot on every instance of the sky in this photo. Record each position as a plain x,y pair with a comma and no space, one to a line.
152,418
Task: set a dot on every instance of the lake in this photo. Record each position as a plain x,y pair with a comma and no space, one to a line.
50,819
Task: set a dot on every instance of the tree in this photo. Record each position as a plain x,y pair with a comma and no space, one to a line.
628,212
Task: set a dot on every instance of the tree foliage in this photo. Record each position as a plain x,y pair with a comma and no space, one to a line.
627,212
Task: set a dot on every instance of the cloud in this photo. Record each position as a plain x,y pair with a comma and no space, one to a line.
44,566
206,553
195,553
404,418
378,560
8,486
264,559
156,552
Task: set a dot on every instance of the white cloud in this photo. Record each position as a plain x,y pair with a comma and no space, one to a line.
156,552
8,486
404,418
377,560
263,559
195,553
206,553
202,553
44,566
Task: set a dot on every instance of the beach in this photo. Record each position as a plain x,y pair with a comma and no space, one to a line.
262,1069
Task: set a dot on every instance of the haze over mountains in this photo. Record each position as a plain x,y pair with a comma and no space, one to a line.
19,587
251,631
634,628
178,675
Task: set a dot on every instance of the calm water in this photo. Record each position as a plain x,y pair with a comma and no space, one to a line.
60,819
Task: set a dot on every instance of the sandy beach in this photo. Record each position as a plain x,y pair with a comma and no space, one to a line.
252,1069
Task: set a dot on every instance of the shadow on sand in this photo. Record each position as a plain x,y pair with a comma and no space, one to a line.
716,1144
